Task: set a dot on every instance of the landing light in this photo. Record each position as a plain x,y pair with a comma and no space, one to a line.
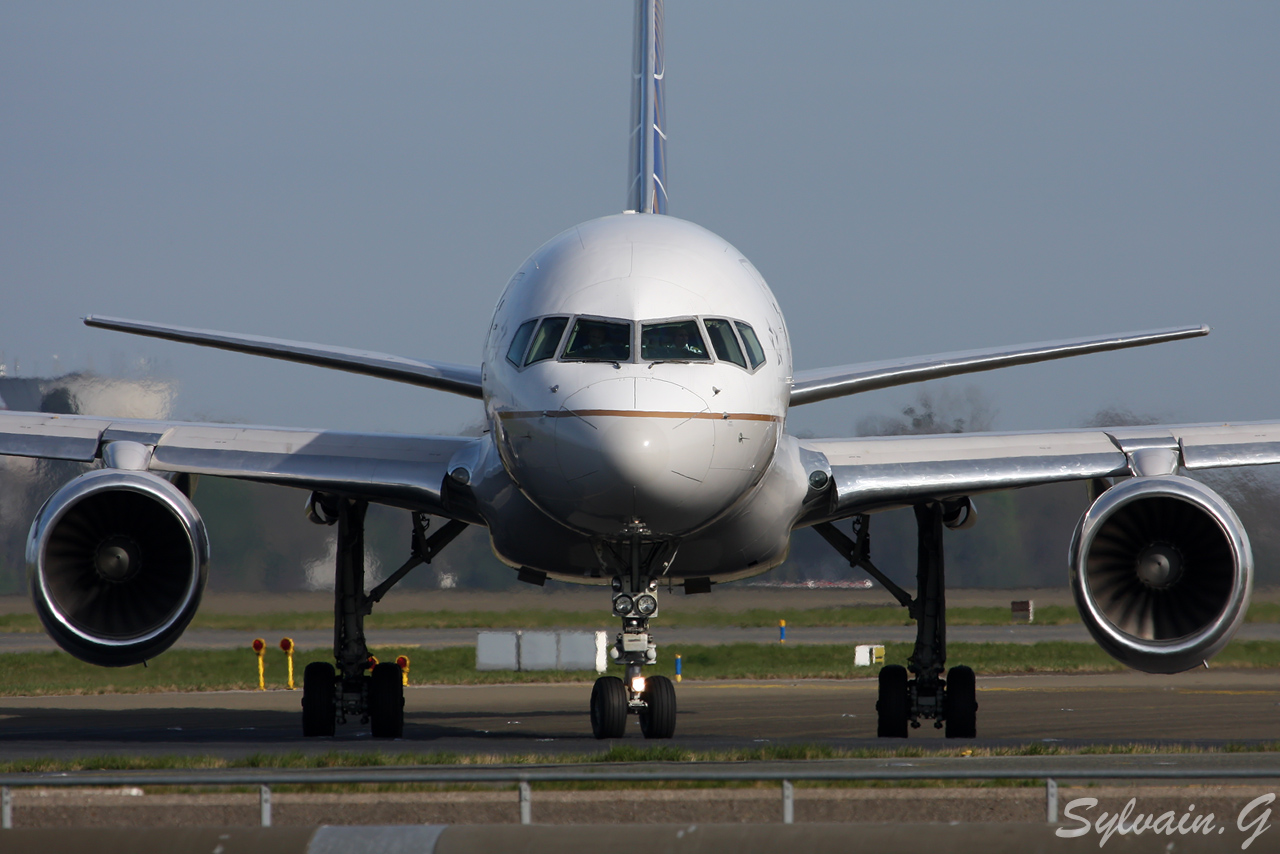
637,684
646,604
622,605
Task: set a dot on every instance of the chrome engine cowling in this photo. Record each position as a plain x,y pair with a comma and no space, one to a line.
1162,572
117,562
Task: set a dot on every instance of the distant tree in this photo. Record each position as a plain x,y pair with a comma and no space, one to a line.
1021,535
1116,416
937,409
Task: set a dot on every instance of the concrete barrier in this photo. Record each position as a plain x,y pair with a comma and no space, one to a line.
583,651
498,651
539,650
542,650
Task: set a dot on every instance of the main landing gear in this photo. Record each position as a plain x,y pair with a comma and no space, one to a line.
903,699
652,699
329,695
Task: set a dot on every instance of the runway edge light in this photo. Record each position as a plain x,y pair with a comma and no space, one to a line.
286,644
260,648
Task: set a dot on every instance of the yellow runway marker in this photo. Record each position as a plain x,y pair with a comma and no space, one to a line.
287,645
260,647
1223,691
808,686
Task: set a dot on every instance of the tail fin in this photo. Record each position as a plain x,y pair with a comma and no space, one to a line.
648,163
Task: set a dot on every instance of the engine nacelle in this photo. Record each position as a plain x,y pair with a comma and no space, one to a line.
117,562
1162,572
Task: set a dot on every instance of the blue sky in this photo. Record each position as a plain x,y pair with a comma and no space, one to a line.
910,178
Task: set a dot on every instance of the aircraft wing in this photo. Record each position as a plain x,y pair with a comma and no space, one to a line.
407,471
825,383
458,379
891,471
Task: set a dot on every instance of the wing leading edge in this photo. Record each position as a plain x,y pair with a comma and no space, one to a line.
407,471
890,471
818,384
458,379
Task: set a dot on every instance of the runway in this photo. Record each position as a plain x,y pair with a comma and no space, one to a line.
1202,707
436,638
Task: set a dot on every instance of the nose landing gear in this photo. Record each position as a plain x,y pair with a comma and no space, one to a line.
652,699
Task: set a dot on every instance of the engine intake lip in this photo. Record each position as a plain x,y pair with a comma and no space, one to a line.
85,639
1163,651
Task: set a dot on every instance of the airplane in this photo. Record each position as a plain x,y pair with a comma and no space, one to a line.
636,380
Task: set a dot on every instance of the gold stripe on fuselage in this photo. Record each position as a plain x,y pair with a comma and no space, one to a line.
633,413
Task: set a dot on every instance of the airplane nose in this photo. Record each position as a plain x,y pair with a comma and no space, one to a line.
635,449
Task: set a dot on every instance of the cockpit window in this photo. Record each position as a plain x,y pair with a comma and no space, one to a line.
598,341
754,351
515,353
674,341
724,341
547,339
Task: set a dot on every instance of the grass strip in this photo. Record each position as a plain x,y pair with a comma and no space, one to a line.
847,616
47,673
855,615
619,754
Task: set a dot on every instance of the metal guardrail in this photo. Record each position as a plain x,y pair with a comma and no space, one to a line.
264,779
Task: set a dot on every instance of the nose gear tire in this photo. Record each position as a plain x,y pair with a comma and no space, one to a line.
891,705
659,719
608,708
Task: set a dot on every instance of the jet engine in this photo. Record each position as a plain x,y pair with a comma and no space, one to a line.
1162,572
117,562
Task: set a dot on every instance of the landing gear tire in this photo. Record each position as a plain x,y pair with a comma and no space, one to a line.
659,719
962,703
319,687
891,706
609,708
386,701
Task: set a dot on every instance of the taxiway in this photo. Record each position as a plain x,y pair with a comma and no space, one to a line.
1210,707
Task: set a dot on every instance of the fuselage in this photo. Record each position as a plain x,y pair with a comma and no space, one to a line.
636,377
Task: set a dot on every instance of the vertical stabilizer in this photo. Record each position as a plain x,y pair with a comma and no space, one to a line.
647,166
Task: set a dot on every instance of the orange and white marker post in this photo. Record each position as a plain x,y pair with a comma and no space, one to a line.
260,647
287,645
403,663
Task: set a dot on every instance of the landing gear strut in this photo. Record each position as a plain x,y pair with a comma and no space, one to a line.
330,696
652,699
903,700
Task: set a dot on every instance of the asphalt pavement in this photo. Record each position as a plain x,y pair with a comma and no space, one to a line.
1201,707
